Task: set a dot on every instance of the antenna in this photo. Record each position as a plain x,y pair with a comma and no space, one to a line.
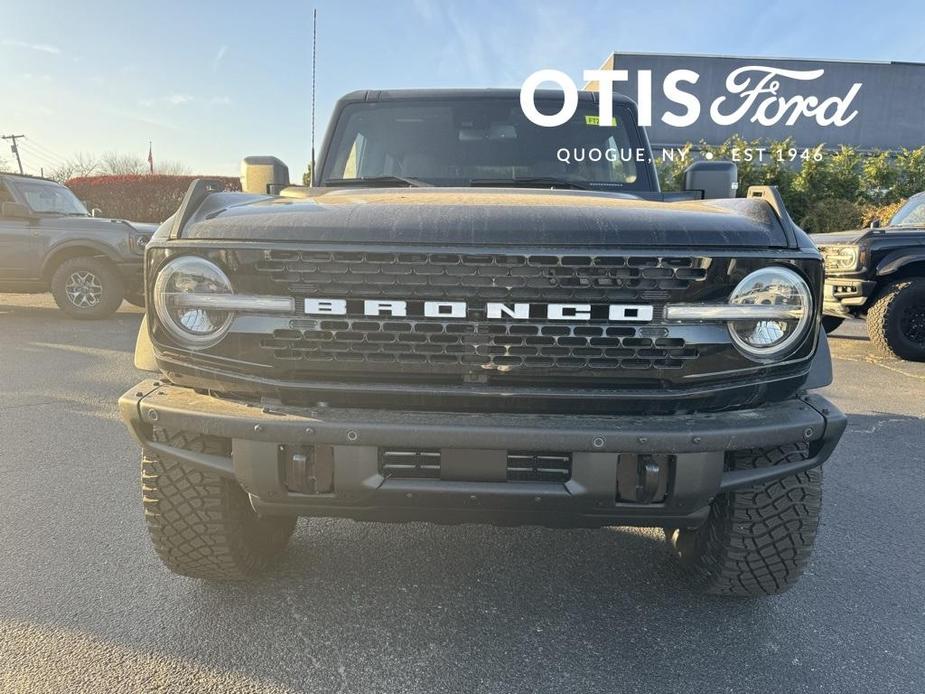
314,59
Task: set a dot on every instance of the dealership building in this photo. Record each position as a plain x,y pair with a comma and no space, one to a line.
868,105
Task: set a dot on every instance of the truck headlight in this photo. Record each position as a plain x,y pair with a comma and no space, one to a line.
182,294
779,307
841,258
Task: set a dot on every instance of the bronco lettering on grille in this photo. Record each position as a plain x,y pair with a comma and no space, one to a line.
640,313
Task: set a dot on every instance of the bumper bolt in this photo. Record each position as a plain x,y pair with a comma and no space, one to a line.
152,415
352,436
598,442
309,431
808,432
643,439
258,428
697,439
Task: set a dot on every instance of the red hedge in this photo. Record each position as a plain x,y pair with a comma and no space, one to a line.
151,198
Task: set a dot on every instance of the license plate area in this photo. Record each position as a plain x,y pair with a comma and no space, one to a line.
475,465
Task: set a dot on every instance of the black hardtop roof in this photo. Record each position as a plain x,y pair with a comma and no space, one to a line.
372,95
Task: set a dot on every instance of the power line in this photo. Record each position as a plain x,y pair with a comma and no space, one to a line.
14,148
47,150
36,154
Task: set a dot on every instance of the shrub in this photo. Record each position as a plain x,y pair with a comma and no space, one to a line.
138,198
833,214
884,213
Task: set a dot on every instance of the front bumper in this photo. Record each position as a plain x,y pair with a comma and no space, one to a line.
843,296
697,446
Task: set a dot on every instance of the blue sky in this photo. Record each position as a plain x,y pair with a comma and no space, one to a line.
209,82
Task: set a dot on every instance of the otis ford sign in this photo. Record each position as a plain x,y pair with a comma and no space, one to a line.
689,98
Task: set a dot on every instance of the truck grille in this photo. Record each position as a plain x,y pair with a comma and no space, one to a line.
483,276
496,346
476,345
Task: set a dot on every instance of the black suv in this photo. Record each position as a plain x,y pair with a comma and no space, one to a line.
457,325
49,241
879,274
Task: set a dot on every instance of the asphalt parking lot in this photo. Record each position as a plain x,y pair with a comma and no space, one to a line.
86,606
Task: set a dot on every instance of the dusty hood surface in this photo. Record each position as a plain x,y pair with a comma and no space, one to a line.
485,216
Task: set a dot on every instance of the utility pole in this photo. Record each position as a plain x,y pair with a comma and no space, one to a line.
14,148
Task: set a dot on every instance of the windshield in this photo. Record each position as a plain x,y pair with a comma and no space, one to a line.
48,197
462,142
910,214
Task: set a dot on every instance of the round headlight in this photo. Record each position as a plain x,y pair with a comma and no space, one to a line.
182,296
789,312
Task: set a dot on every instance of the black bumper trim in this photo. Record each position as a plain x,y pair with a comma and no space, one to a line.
699,443
852,293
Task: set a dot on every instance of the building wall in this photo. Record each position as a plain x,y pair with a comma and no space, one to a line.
889,103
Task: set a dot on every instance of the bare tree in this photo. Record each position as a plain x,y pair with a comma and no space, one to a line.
78,166
171,167
115,164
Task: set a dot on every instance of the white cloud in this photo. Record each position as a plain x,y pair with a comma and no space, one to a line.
177,99
41,47
220,100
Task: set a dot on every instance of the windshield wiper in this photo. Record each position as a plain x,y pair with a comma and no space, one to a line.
378,182
528,182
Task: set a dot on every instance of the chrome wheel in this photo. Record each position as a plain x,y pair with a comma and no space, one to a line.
84,289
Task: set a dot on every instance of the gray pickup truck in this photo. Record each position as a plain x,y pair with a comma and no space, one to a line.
50,242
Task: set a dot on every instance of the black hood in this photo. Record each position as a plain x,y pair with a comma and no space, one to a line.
480,216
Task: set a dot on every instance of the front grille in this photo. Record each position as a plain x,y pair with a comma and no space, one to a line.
529,363
492,346
522,466
481,276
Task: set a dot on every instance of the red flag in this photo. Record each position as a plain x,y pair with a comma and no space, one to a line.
150,158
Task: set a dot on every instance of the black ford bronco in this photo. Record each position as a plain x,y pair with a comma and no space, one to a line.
457,325
50,242
879,274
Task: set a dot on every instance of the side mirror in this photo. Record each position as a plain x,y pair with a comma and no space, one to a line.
875,224
263,175
15,209
714,179
96,212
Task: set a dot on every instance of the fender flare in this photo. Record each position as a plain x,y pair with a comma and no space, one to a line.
145,359
899,259
820,370
100,248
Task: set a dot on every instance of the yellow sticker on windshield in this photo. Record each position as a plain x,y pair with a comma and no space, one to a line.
594,120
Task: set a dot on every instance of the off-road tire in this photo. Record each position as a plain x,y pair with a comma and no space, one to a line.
203,525
831,323
886,317
756,541
105,277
